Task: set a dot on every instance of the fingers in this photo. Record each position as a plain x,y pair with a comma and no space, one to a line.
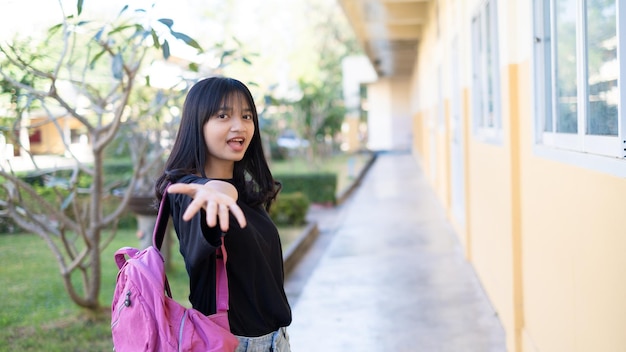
216,204
184,188
222,213
211,212
238,214
224,217
193,208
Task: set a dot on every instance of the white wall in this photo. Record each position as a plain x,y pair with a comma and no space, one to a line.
389,120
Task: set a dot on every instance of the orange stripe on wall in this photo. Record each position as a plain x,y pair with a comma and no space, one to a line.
516,205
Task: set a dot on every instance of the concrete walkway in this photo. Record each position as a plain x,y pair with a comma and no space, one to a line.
387,273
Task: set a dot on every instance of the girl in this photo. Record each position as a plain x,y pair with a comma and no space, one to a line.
221,184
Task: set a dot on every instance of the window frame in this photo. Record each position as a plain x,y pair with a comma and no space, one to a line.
481,80
544,62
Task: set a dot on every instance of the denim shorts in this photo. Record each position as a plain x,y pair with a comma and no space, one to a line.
277,341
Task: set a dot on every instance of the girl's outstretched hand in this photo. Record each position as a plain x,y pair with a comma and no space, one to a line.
216,197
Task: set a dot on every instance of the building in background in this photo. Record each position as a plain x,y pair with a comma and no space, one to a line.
516,112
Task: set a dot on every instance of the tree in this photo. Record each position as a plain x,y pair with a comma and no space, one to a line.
90,72
318,112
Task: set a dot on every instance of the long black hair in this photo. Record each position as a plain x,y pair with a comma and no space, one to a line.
251,175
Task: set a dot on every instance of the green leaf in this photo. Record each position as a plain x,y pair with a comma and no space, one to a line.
121,28
67,201
79,6
117,66
187,39
166,21
193,67
227,53
122,10
99,34
246,61
155,39
55,28
166,50
92,64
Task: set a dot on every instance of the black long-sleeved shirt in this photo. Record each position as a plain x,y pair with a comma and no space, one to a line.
257,301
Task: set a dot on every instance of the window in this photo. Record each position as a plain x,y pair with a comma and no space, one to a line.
485,69
35,137
78,136
577,74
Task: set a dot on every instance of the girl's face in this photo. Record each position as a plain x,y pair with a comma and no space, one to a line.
227,135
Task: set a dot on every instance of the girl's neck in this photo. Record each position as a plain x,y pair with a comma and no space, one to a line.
219,170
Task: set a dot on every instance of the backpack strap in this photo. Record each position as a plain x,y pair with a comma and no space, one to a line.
221,279
163,217
120,255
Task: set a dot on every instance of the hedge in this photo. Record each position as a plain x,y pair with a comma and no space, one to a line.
290,209
318,187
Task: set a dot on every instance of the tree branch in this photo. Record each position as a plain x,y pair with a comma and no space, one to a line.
52,211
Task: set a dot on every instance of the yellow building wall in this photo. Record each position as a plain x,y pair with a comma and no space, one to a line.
418,134
491,243
441,182
463,230
487,233
428,145
443,158
573,224
51,139
547,239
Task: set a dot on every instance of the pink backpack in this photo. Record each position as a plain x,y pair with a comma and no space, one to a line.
143,318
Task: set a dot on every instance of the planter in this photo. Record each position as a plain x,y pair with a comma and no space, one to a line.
143,205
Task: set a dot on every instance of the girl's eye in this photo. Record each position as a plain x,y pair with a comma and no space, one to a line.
247,117
222,116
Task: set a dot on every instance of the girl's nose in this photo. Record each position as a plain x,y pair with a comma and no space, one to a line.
238,124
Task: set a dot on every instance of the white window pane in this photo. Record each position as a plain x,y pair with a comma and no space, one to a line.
476,65
543,40
566,89
486,75
489,116
603,67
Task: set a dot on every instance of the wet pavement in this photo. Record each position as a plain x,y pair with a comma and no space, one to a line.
387,273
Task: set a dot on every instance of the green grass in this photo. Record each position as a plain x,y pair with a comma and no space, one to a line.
38,314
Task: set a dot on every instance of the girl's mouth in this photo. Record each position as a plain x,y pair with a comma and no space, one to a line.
236,143
236,140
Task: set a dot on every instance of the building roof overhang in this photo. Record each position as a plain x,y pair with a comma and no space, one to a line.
388,31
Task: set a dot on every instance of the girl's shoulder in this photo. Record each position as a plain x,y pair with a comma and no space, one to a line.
192,179
199,179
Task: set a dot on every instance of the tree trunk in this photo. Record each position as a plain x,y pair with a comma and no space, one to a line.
95,229
145,225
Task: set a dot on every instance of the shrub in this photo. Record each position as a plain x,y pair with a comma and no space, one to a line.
7,226
118,169
290,209
318,187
